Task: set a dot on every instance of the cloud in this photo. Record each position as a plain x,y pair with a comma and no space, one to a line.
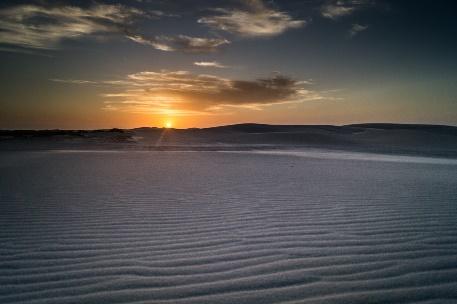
184,93
357,28
24,51
181,43
73,81
210,64
40,27
256,19
338,8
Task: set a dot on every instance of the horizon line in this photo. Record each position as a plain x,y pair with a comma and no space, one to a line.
241,124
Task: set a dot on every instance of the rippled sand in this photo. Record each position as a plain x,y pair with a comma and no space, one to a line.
216,227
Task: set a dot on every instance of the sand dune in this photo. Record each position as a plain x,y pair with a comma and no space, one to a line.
225,227
425,140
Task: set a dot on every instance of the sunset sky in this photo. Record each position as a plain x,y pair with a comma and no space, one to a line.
195,63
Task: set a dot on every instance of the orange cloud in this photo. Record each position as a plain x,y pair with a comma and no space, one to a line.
181,93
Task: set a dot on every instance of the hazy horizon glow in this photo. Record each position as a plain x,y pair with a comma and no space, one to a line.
200,63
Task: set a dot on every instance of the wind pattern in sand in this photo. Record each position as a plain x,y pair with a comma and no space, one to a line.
211,227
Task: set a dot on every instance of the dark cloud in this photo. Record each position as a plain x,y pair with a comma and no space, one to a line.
43,27
183,93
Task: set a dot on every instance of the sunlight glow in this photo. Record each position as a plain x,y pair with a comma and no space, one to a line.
168,124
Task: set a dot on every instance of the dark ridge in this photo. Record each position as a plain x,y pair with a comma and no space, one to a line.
146,129
442,129
265,128
56,132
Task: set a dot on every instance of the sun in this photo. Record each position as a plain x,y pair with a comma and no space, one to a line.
168,124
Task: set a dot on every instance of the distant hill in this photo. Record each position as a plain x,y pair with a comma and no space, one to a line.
421,139
441,129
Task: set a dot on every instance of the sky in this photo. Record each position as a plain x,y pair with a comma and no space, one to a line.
201,63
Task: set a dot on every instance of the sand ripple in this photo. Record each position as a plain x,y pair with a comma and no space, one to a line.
213,227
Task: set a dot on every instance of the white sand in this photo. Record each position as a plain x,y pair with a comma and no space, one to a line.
212,227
